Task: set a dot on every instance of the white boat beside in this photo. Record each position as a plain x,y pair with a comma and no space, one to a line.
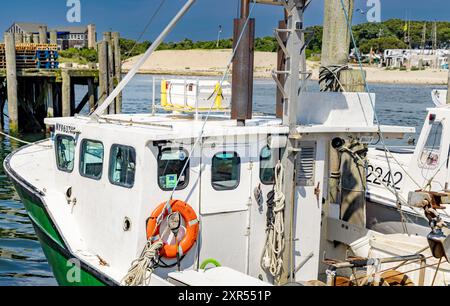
423,167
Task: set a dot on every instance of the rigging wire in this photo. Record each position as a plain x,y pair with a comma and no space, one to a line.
149,23
366,85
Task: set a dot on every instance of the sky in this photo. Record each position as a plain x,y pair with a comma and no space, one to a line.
129,17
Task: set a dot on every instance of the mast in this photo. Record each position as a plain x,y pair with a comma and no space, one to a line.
424,37
295,41
434,36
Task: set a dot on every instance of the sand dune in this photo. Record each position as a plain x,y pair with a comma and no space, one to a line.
213,62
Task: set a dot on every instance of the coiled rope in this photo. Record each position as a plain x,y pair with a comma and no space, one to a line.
271,259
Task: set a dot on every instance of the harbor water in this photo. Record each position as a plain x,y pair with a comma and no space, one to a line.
22,261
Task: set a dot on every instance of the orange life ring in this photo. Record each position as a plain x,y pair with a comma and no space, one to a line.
190,222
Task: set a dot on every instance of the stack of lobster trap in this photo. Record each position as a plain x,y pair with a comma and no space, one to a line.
41,56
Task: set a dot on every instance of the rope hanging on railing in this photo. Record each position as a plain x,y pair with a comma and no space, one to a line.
271,259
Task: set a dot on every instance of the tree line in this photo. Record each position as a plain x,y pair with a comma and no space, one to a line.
390,34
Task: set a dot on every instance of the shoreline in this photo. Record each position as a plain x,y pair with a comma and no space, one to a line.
211,63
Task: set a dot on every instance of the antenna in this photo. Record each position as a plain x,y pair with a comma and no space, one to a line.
424,37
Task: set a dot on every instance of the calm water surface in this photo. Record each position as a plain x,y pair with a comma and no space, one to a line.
22,261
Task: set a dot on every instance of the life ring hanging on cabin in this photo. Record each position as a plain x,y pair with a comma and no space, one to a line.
190,221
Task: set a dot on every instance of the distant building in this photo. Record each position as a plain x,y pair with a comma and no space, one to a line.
72,37
25,28
67,37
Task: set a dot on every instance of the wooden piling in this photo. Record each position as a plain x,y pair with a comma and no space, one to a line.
36,39
27,39
11,79
66,93
2,105
110,56
336,37
91,93
18,38
92,36
43,35
53,37
117,68
103,71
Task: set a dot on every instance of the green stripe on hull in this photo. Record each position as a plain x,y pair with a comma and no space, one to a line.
65,267
37,213
65,272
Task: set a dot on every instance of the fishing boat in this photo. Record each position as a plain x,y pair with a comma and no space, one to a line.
423,167
200,198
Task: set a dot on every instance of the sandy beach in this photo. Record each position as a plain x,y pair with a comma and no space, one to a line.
213,62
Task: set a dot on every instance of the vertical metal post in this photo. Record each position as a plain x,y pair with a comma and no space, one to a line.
281,66
243,63
295,42
153,95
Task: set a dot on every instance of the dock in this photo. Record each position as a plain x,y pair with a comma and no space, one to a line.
35,86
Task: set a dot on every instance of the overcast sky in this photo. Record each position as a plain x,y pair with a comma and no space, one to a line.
130,16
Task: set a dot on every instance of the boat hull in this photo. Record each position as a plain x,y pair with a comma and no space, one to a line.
66,267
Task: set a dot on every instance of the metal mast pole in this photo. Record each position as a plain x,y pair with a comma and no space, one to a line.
294,43
111,98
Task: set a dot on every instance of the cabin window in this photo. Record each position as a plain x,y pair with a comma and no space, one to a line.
431,151
268,160
91,160
65,153
171,162
226,171
122,166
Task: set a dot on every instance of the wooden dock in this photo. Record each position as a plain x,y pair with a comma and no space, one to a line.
34,87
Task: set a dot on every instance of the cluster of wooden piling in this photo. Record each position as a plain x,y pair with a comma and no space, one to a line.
110,67
34,94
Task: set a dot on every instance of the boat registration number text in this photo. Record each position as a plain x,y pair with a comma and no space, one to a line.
380,176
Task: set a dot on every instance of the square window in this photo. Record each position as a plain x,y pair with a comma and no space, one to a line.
65,153
225,171
122,166
91,159
171,162
268,160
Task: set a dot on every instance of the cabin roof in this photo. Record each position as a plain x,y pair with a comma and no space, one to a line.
168,126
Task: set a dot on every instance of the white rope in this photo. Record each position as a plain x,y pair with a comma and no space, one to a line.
271,259
142,268
23,141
